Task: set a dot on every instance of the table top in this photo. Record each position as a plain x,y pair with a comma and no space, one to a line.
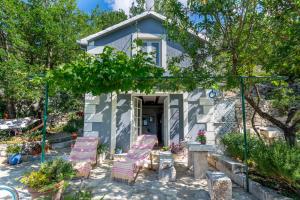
196,146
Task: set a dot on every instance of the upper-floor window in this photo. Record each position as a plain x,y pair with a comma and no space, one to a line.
153,48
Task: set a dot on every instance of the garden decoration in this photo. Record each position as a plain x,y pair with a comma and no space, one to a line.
201,137
14,154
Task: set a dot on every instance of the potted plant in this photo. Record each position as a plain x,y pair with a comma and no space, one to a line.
14,154
74,135
70,128
165,148
102,150
201,137
50,180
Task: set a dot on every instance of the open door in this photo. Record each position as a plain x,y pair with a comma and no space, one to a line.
137,119
166,122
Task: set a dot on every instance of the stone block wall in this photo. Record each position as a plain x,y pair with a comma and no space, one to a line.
97,117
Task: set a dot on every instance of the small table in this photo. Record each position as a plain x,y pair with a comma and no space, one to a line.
198,158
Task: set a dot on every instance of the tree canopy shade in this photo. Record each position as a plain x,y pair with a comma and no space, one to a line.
115,71
109,71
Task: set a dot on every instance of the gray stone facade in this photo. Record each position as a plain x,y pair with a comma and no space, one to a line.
109,116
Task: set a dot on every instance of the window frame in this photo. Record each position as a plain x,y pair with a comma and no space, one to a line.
156,37
149,49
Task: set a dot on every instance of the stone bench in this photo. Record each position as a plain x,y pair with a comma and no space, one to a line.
166,170
219,186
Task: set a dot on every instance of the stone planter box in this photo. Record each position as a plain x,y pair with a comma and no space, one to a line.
235,171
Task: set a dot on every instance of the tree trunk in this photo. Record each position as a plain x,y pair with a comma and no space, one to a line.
289,132
234,62
290,137
11,109
253,125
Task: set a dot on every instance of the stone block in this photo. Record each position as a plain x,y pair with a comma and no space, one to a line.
166,170
200,164
98,117
88,127
90,99
210,127
202,118
210,135
206,101
62,145
89,109
208,110
91,133
219,186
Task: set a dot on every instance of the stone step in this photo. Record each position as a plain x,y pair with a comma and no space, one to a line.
62,145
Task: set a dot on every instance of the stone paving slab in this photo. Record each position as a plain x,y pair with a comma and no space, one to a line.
147,186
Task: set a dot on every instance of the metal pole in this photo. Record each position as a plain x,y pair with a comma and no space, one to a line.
245,131
45,123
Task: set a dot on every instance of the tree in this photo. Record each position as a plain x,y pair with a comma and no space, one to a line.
244,38
99,20
15,89
137,8
36,36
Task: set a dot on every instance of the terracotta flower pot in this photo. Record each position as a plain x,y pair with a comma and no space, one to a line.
203,142
74,135
55,195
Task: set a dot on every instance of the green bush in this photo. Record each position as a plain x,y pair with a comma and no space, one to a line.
277,160
234,145
14,148
49,174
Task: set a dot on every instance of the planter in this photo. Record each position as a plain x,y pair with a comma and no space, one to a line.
55,195
74,135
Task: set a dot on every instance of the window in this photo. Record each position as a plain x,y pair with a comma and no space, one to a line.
153,48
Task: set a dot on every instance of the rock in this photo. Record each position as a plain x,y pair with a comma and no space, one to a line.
219,186
167,171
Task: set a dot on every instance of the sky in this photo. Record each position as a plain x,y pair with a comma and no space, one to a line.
88,5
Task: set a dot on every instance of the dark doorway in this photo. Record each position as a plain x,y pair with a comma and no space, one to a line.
152,116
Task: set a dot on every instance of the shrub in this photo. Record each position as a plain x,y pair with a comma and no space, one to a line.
49,175
165,148
277,160
234,145
13,149
69,128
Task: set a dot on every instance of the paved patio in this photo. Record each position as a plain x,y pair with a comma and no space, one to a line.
146,187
